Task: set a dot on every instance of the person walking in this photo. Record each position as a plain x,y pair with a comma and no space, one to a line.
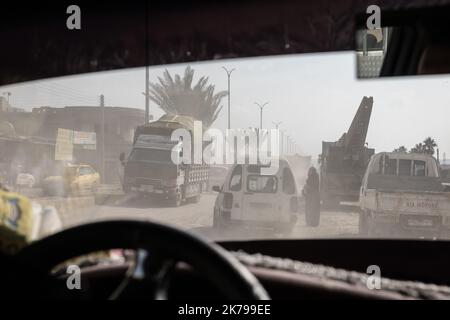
311,192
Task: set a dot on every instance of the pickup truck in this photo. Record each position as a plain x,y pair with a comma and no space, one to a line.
402,194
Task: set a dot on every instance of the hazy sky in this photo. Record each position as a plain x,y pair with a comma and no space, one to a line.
314,95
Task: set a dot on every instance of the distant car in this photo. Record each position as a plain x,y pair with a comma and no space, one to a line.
403,193
251,199
25,180
75,180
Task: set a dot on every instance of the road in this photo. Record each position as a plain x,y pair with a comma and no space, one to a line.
198,218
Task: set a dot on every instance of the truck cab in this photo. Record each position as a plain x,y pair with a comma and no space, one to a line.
154,168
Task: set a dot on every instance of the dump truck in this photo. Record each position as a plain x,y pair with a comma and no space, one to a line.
343,162
150,168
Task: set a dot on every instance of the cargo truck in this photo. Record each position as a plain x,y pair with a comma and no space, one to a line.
151,170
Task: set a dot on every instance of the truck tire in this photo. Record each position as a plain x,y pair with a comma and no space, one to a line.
286,230
312,219
196,199
216,220
363,224
175,201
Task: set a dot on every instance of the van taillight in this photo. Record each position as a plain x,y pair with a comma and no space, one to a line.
228,200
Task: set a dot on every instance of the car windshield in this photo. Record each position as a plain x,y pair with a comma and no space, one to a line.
141,154
305,121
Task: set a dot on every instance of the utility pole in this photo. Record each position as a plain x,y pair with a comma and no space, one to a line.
280,138
147,95
229,94
288,142
102,153
261,107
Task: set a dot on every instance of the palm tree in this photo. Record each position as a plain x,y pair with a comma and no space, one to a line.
178,96
401,149
428,145
418,148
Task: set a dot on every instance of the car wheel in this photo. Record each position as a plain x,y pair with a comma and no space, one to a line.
312,219
363,224
196,199
216,220
175,201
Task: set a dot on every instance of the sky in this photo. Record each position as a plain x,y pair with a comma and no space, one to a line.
315,96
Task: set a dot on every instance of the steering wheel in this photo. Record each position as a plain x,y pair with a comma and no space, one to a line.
167,243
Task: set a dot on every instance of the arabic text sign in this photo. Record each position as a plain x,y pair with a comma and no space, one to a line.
82,137
64,145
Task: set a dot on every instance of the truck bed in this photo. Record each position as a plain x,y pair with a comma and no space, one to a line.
408,184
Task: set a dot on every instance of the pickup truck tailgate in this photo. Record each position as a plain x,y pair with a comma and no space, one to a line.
433,203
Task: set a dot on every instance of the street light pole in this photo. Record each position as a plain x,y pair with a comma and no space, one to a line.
261,107
280,138
229,94
277,124
288,145
282,143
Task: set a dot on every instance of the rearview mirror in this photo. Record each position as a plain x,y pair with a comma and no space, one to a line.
216,188
122,157
407,42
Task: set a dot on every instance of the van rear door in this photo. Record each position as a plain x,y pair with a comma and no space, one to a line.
261,201
232,196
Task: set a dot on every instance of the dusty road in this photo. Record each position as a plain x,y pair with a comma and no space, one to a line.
198,218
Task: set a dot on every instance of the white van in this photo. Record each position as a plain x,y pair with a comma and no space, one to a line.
250,199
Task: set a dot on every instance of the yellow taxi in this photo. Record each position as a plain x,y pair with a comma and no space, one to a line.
76,179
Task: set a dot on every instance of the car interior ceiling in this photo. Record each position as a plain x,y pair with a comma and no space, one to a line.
121,42
124,33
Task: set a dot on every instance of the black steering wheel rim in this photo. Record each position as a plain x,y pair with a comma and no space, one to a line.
220,267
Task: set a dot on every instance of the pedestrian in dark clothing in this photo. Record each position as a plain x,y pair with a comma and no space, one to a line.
311,192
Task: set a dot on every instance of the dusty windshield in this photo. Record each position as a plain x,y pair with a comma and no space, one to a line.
141,154
275,147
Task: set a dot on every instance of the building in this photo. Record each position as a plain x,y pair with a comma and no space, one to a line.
119,124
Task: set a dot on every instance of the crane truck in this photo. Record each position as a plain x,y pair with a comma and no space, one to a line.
343,162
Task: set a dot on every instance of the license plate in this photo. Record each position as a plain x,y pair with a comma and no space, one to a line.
429,205
420,222
147,188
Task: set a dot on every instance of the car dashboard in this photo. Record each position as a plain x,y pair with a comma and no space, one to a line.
312,269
